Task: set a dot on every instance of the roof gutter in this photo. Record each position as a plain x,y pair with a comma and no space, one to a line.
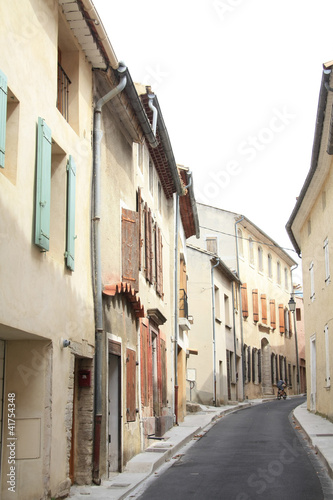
315,154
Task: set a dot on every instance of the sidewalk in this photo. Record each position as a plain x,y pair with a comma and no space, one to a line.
319,432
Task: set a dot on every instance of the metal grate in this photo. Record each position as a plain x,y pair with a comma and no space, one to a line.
63,91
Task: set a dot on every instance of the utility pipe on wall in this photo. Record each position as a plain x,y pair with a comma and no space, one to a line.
99,327
214,339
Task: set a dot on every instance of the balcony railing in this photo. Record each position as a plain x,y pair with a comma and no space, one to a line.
63,90
183,304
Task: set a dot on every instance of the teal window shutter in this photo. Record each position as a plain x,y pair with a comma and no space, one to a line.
71,181
3,117
43,185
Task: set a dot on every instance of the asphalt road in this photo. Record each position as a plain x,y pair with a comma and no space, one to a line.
255,453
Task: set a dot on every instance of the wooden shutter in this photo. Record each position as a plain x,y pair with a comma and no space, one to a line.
140,224
164,373
259,366
245,306
263,309
255,305
158,259
148,244
71,186
144,363
130,247
254,364
3,117
130,385
272,313
281,318
43,185
249,363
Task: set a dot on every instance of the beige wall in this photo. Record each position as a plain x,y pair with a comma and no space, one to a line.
41,300
317,310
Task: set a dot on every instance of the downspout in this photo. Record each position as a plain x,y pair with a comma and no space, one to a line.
99,328
176,301
240,302
154,110
214,335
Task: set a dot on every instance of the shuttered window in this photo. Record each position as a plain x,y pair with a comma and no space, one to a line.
159,261
259,366
148,244
281,318
249,363
3,117
255,302
139,210
245,306
43,185
272,313
164,373
130,247
264,309
71,188
130,385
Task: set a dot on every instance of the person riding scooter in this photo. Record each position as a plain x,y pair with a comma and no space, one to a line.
281,389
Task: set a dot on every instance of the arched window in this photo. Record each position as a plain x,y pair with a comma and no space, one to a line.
240,242
278,273
260,259
270,268
251,253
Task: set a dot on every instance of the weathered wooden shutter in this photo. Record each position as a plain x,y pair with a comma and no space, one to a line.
159,371
285,369
164,373
276,369
263,309
140,226
130,385
43,185
3,117
272,313
259,366
245,306
255,305
71,188
144,363
272,367
130,247
150,249
249,363
281,318
159,262
254,364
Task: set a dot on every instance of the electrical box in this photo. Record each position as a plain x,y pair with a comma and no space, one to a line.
84,378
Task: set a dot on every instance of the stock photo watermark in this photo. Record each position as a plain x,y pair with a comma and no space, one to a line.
11,442
248,151
263,477
224,8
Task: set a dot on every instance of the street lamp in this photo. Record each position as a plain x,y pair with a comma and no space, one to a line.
292,308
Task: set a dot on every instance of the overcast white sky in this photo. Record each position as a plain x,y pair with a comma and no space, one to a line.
238,84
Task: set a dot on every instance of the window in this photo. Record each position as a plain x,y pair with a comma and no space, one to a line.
159,261
226,310
270,268
151,176
70,240
211,244
312,289
217,302
9,116
286,322
278,273
286,278
298,314
327,262
327,351
159,197
260,260
281,318
251,253
240,242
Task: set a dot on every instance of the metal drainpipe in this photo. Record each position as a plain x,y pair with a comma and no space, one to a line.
240,302
176,301
213,318
154,110
99,328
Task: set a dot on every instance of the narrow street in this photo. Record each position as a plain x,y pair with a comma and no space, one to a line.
253,453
